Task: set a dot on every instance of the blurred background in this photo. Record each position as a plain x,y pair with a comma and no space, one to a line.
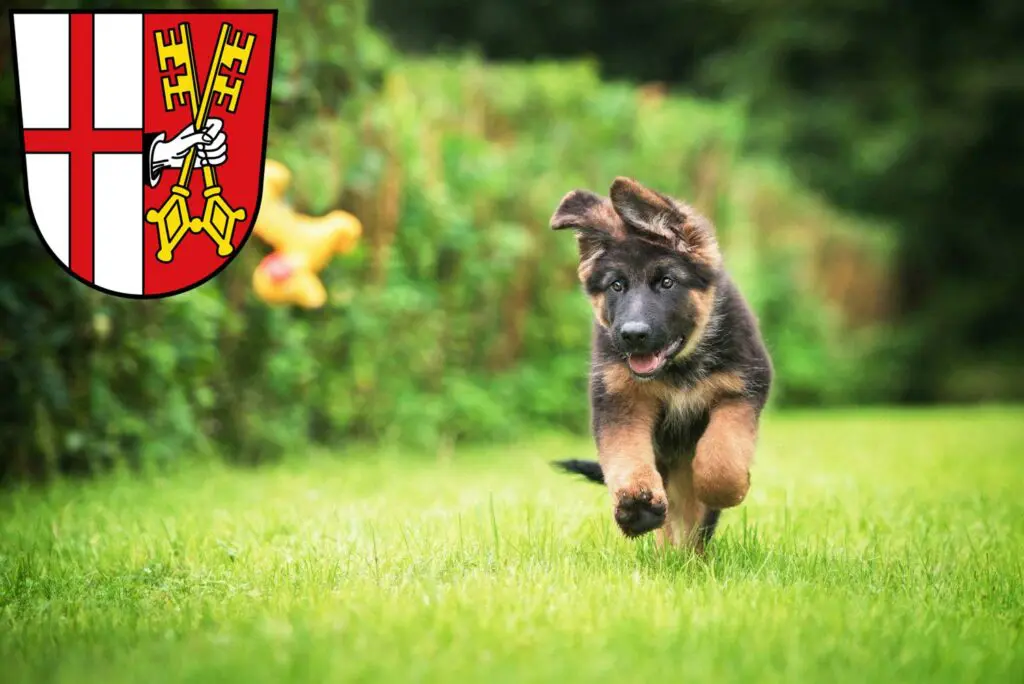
861,159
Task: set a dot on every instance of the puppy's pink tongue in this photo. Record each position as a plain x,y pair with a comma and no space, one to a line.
643,363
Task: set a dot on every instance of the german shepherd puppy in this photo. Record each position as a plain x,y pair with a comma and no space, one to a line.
679,373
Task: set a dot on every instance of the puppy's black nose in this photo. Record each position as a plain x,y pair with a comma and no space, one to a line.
635,333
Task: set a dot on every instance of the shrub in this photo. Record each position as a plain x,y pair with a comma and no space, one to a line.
458,317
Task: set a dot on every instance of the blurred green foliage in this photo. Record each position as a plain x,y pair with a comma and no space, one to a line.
907,111
458,317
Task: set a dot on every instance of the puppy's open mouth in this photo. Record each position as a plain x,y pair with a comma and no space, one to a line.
646,365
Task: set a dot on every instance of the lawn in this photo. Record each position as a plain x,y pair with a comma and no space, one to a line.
875,546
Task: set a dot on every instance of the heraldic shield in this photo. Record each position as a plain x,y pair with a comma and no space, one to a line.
144,140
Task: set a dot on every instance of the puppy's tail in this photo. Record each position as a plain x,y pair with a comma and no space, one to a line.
588,469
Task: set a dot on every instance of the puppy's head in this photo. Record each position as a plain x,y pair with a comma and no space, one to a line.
649,264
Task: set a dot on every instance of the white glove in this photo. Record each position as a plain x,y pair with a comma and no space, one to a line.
211,145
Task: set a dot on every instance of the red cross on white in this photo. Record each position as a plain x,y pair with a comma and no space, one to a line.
80,82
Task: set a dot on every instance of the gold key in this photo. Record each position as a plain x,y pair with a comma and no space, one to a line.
234,53
177,53
172,220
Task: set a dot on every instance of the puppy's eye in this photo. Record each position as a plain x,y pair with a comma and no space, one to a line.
618,286
666,283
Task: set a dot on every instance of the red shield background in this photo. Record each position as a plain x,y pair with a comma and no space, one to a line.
240,177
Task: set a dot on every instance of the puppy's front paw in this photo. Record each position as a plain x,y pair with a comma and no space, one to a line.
640,510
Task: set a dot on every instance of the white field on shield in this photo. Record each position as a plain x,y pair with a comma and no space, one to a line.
49,197
43,44
117,243
117,48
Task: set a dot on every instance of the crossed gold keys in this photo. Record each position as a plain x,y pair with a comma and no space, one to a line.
173,220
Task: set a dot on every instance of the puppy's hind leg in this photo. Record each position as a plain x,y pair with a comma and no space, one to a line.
689,523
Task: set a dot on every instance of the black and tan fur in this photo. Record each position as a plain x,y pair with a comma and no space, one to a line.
675,445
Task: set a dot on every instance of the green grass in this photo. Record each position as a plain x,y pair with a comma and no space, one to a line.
875,546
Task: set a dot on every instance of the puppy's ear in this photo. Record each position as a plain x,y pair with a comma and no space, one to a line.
592,217
641,207
666,220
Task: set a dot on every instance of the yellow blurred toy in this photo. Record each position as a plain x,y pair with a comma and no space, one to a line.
302,244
